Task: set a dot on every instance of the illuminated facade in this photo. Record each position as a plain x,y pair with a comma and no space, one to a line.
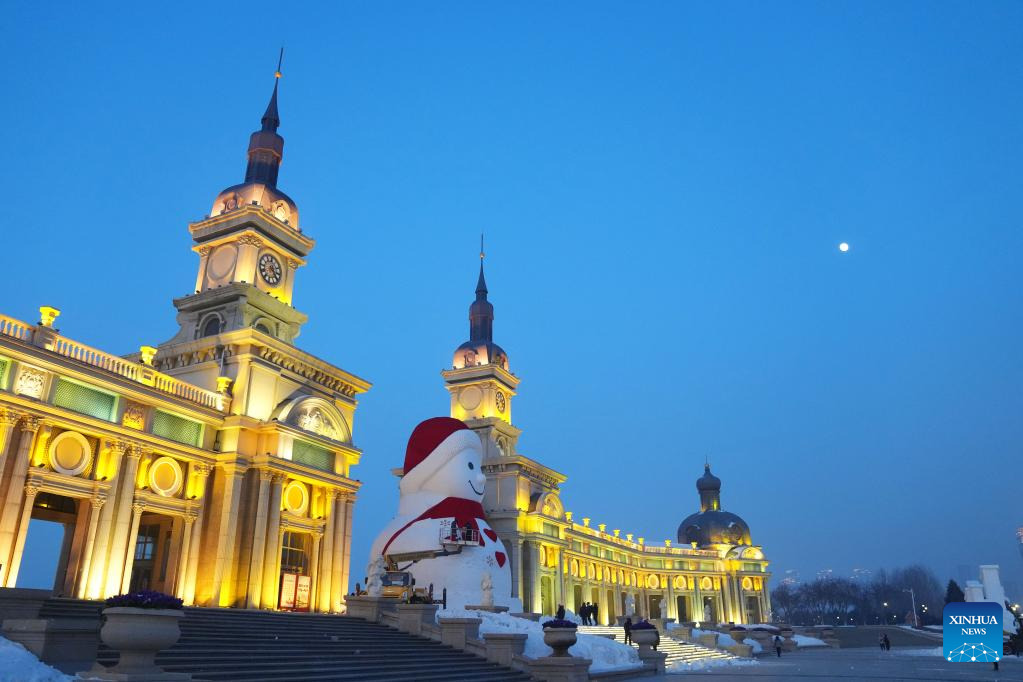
713,572
215,466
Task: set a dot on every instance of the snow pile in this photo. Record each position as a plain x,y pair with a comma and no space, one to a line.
725,640
705,663
606,654
803,640
17,664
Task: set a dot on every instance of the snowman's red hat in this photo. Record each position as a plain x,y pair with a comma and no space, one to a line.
432,445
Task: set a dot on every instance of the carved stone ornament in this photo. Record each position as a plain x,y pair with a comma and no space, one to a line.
134,416
30,382
30,423
315,421
250,240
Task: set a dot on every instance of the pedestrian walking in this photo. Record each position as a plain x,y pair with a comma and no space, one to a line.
887,642
627,626
880,641
777,645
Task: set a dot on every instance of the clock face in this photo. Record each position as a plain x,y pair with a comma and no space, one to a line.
269,269
501,402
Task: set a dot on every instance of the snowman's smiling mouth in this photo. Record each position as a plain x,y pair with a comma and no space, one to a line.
474,488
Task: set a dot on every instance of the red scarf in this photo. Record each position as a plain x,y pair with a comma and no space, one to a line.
463,511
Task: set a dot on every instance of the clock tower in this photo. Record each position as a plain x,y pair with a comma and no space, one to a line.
250,247
482,388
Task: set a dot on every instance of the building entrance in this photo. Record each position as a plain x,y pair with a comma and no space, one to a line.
153,566
52,549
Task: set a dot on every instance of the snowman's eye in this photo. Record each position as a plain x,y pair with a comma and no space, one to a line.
471,465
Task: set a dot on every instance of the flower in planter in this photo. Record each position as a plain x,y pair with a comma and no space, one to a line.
146,599
556,623
643,625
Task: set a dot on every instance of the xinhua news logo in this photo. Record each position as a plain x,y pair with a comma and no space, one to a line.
972,632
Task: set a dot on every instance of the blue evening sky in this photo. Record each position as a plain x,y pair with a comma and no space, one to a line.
663,186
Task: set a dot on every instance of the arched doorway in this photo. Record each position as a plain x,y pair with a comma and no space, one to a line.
577,598
682,604
611,611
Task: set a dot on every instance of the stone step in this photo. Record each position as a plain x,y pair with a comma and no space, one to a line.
264,646
683,652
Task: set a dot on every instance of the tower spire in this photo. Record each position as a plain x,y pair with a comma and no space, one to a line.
271,119
481,283
266,147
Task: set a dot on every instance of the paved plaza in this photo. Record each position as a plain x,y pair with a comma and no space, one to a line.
859,664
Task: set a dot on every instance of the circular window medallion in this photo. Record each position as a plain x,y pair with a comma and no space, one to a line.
470,397
222,261
747,584
705,583
70,453
296,498
165,476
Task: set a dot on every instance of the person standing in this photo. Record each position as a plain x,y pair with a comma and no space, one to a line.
880,641
887,642
560,615
777,645
627,626
595,614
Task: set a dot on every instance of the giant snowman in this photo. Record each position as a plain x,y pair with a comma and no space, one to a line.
440,494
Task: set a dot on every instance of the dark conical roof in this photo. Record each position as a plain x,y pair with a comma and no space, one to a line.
271,119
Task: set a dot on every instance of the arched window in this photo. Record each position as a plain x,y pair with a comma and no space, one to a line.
211,327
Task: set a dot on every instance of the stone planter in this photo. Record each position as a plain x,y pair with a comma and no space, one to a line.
709,640
139,634
738,634
559,639
644,638
683,633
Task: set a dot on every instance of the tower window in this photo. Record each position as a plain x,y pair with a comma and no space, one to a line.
211,327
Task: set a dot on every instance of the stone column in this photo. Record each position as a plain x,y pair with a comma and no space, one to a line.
314,570
122,521
100,554
346,553
670,608
255,582
12,503
327,562
96,501
534,577
272,549
515,548
202,472
133,537
227,528
31,490
8,419
337,562
559,583
184,559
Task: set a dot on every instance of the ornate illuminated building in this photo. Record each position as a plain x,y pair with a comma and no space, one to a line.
216,466
712,572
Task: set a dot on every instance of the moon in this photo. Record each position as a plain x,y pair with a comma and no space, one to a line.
843,247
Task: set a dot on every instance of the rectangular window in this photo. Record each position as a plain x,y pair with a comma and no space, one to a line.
550,530
176,428
654,563
706,565
312,456
594,550
85,400
293,554
5,365
577,546
754,568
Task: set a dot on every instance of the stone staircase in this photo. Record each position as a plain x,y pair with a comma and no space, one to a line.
678,652
257,646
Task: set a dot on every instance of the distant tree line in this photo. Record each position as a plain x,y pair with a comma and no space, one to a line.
883,599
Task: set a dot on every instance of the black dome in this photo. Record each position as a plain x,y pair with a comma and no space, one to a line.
714,527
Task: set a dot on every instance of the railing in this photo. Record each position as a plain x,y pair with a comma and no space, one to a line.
114,364
96,358
15,328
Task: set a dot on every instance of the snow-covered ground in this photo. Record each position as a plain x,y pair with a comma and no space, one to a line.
937,651
705,663
605,653
803,640
17,664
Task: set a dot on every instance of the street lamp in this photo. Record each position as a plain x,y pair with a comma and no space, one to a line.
912,596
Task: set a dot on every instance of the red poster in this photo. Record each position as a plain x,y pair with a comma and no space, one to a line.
305,584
